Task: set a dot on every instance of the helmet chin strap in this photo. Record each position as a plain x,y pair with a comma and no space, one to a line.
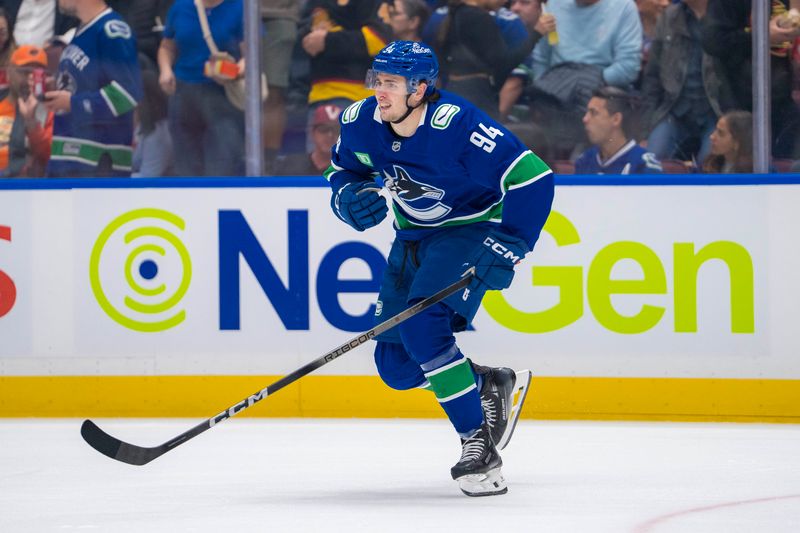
409,110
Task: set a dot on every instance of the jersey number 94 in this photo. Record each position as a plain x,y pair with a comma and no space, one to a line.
485,141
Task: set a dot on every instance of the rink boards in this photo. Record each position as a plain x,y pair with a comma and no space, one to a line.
643,300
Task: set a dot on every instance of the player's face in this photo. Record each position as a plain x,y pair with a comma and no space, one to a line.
391,93
599,124
722,142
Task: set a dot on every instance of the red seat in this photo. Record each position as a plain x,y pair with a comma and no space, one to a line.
563,166
782,166
674,166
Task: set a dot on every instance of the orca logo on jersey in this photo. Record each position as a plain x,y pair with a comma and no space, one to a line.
404,190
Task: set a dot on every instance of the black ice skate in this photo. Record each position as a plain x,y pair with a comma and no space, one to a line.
478,471
502,395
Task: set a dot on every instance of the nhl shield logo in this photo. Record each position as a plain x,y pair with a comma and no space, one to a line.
396,146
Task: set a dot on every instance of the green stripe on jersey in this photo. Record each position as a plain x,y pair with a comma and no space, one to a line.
451,381
525,170
89,153
494,213
117,98
329,172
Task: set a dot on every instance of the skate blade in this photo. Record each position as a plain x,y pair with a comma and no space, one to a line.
490,483
517,400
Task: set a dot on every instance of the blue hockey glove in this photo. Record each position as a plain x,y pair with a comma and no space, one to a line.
359,205
494,261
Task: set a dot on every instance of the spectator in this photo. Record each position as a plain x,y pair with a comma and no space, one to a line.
600,43
324,132
36,22
727,37
279,19
530,13
407,18
152,154
603,33
7,46
99,85
608,122
207,129
31,134
475,58
681,104
145,18
649,13
341,38
731,144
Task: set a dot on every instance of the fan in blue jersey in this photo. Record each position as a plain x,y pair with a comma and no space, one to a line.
98,86
465,193
607,123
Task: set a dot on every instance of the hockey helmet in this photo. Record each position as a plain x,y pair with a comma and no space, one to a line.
416,62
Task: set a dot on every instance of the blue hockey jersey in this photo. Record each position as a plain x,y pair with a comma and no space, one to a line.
101,70
631,159
459,167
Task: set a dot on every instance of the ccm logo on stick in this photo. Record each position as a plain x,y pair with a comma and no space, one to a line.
8,291
501,250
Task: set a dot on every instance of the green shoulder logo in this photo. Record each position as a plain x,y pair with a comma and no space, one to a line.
443,116
350,114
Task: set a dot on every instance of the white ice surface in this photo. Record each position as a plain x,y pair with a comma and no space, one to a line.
393,476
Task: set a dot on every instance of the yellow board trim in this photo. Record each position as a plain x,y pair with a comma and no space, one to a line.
555,398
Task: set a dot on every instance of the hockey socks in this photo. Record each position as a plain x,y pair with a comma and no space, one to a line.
454,386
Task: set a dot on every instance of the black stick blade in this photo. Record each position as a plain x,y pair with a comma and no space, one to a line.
115,448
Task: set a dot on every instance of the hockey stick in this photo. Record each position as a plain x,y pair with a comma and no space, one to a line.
140,455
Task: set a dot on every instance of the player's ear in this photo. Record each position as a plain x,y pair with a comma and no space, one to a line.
421,88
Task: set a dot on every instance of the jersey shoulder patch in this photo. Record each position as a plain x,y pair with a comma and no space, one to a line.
117,29
351,112
443,116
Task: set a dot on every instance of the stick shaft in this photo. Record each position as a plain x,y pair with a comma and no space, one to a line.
139,455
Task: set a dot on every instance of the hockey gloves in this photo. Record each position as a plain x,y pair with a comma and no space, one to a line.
494,261
359,205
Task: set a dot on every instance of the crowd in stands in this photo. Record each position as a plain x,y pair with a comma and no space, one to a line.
592,86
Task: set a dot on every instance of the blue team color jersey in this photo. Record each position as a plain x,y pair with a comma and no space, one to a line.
456,169
631,159
101,70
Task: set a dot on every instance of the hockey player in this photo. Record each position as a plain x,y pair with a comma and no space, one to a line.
607,123
465,193
98,87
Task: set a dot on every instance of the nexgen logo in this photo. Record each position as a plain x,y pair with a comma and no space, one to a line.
8,291
501,250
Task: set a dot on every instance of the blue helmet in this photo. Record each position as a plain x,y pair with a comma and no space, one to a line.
416,62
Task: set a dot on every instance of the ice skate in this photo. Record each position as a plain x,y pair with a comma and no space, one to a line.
478,471
502,395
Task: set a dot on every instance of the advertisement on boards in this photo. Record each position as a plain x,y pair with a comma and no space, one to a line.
624,281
